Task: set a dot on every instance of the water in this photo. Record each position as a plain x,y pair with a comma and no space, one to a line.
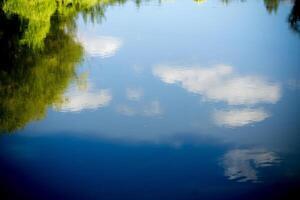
149,99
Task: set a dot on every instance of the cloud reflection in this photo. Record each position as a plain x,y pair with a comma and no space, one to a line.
100,46
81,100
241,164
221,84
239,117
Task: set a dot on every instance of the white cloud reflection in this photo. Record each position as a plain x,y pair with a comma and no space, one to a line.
241,164
221,84
239,117
100,46
81,100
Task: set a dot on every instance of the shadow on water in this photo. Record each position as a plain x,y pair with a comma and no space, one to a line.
39,52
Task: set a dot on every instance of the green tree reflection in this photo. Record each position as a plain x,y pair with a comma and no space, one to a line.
38,55
33,81
36,15
271,5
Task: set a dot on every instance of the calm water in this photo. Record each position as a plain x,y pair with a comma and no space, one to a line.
149,99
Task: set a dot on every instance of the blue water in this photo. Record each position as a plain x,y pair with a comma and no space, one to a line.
179,100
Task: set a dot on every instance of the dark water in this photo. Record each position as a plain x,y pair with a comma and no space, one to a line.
149,99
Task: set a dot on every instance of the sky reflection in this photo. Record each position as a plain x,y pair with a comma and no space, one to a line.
243,164
150,109
134,94
239,117
100,46
222,84
76,100
126,122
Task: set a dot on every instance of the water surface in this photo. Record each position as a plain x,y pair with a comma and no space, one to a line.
149,99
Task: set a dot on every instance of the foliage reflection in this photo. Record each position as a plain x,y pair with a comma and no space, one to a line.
38,55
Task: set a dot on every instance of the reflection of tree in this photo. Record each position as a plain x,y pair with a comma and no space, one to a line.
229,1
37,22
39,54
294,17
199,1
36,15
32,81
271,5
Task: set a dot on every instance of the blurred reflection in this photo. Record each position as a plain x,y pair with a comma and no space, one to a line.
38,58
294,17
242,164
75,100
220,83
102,46
30,81
200,1
36,16
272,7
239,117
